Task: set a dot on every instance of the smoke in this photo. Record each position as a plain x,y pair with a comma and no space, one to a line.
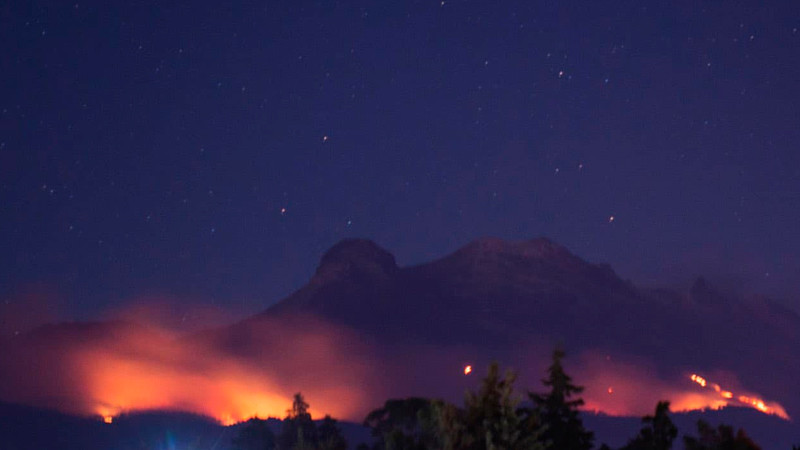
113,368
172,314
252,369
632,387
27,308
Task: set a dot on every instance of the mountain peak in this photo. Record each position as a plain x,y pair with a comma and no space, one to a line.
538,247
702,292
355,257
534,262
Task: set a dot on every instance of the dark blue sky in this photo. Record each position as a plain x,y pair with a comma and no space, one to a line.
149,147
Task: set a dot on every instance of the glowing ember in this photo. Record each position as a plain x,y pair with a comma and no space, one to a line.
107,414
610,390
754,402
742,400
467,370
699,380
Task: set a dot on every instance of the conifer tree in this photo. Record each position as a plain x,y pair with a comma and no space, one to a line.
329,436
558,409
403,424
720,438
298,432
657,432
490,419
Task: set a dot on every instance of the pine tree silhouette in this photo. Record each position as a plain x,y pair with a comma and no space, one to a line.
558,409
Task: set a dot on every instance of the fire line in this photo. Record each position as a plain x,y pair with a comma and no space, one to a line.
741,400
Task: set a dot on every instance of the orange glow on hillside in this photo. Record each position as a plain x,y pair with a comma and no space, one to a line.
742,400
255,372
139,369
624,388
226,392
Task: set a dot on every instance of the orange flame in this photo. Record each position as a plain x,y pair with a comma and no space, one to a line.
767,408
135,369
699,380
139,369
621,386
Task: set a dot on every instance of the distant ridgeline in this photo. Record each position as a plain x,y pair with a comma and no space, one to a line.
376,330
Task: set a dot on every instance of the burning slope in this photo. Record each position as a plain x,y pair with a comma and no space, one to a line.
139,369
486,302
623,387
741,400
254,370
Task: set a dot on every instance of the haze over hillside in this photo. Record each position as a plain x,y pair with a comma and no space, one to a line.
503,299
364,329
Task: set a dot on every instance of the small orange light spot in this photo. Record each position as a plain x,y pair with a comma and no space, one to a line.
108,419
699,380
610,390
467,370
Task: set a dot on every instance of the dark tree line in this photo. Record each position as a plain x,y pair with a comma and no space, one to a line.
490,419
298,432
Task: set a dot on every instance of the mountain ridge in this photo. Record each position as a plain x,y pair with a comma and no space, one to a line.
491,294
408,328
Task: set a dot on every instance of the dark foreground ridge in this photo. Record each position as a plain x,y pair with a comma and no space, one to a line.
27,428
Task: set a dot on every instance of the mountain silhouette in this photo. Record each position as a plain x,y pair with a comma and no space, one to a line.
408,330
472,294
491,295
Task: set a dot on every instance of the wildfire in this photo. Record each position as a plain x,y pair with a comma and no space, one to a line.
743,400
619,386
467,370
107,413
140,369
698,379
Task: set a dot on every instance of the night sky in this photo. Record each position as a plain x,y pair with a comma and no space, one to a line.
210,153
